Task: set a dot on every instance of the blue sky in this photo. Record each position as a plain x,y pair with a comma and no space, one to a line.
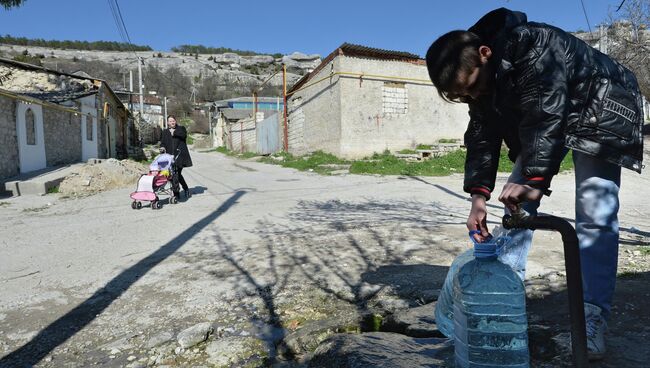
282,26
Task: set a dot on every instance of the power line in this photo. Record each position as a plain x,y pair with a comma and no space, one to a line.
121,26
585,12
119,12
619,7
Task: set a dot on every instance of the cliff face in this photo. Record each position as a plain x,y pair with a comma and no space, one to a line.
227,68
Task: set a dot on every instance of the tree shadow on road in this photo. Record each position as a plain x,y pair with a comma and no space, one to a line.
335,260
72,322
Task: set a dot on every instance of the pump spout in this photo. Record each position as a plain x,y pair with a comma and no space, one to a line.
522,220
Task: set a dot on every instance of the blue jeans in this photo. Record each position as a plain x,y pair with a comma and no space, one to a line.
596,208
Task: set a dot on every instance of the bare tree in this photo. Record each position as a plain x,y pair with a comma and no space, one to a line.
8,4
628,39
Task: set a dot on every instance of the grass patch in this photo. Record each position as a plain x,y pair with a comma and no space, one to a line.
505,165
189,139
629,275
220,149
3,203
407,151
450,163
53,190
246,155
312,162
447,140
387,164
226,151
423,147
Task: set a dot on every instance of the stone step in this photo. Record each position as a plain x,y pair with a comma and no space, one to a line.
39,182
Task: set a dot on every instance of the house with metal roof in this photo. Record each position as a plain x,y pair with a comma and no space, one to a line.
361,100
50,118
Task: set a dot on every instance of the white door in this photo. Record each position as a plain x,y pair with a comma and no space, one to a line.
31,138
88,133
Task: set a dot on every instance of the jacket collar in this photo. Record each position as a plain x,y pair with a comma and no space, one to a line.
493,28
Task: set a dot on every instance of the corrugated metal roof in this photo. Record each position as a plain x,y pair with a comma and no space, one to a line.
59,96
352,50
249,99
371,52
236,114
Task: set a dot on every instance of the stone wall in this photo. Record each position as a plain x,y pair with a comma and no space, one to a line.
9,164
315,115
62,136
380,114
244,129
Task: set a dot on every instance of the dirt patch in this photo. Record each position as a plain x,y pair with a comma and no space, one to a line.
107,175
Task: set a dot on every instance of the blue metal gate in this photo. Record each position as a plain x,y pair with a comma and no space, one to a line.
268,135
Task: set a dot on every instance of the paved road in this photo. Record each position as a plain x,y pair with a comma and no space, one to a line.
78,274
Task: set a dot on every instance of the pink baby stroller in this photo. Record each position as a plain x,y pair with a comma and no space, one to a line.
159,180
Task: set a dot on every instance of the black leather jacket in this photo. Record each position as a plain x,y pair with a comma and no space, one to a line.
551,92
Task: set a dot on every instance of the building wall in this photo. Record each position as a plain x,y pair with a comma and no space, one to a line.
380,113
9,165
62,131
314,115
242,131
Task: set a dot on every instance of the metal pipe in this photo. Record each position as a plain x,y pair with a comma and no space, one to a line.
522,220
284,107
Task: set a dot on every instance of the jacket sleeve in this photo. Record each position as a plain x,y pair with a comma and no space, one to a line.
165,139
180,132
483,141
540,83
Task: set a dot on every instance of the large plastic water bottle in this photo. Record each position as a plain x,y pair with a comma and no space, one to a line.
444,311
489,299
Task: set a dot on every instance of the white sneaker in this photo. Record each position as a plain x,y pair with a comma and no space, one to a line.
596,327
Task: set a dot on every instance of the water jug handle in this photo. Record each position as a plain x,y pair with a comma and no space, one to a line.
478,232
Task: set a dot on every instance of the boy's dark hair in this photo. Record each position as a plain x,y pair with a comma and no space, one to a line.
451,53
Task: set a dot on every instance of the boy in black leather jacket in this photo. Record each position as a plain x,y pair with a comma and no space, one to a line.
542,92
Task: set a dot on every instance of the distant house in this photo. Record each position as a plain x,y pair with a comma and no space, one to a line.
361,100
247,103
235,128
49,118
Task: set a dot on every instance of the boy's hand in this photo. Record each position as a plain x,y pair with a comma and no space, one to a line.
477,219
513,194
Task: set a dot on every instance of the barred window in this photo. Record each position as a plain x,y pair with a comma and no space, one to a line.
394,99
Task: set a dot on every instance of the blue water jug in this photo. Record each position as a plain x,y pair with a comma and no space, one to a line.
489,311
444,311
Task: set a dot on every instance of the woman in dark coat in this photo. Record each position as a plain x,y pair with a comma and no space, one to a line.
173,139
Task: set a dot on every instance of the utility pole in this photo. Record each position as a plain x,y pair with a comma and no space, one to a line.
131,90
210,125
284,101
165,117
140,62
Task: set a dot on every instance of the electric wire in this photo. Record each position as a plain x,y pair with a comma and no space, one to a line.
584,10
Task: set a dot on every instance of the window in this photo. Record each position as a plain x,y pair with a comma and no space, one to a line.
394,99
30,127
89,128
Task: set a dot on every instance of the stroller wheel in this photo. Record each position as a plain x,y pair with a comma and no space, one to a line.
158,205
139,205
134,205
154,205
173,200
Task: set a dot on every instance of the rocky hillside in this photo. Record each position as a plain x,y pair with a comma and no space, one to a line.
229,72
